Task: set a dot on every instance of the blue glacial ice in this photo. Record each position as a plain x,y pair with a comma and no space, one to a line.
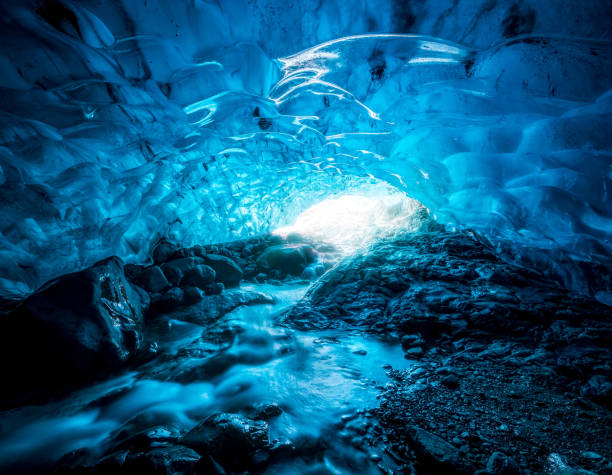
122,122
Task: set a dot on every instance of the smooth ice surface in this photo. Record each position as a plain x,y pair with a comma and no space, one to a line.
125,121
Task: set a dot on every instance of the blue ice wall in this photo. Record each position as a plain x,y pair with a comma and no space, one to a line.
124,121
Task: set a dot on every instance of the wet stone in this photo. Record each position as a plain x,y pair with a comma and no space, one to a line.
264,411
234,441
199,276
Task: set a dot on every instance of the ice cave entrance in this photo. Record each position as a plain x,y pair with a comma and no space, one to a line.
351,221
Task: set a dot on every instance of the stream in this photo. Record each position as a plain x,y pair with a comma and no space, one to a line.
320,379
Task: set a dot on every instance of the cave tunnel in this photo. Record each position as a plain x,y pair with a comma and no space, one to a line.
310,237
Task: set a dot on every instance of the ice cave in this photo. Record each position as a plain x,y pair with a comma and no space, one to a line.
319,237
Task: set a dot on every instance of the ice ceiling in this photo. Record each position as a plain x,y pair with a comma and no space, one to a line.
124,121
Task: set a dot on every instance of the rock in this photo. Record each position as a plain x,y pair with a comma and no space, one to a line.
183,264
451,381
215,288
263,411
199,276
164,460
192,295
500,464
213,307
74,329
165,302
172,273
169,460
143,432
77,462
227,271
598,388
555,464
313,271
410,341
436,454
415,352
234,441
288,258
164,250
176,268
152,279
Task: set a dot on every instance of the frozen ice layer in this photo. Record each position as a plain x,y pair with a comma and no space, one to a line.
122,123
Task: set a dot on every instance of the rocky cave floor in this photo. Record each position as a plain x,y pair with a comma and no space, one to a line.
508,373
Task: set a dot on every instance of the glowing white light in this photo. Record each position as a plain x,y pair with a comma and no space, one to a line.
353,221
432,60
439,47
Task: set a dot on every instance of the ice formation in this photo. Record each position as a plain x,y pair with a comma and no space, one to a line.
125,121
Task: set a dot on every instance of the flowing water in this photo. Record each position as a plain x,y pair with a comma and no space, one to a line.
318,378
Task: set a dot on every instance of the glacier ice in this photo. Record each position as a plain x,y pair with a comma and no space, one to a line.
125,121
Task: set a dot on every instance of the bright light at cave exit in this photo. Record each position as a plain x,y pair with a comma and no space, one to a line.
353,221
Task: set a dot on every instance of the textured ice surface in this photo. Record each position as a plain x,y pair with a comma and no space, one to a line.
124,121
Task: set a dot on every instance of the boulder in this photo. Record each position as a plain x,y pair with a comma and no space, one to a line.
191,295
164,250
213,307
500,464
152,279
436,454
215,288
199,276
176,268
288,258
227,271
236,442
166,459
166,302
74,329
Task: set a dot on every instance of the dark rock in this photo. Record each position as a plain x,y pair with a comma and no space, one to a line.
213,307
172,273
199,276
500,464
132,271
164,250
80,461
143,432
313,271
288,258
410,341
436,454
75,329
263,411
152,279
216,288
168,460
191,295
598,388
236,442
166,302
451,381
162,460
414,352
176,268
183,263
227,271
